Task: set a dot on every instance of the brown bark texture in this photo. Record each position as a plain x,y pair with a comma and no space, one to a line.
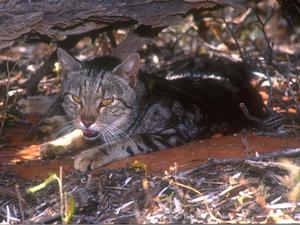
55,20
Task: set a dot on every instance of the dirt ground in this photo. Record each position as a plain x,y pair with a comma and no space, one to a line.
22,155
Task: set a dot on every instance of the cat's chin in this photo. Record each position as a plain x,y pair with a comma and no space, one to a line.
90,134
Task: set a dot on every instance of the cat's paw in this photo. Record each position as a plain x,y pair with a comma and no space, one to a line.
49,124
88,160
50,151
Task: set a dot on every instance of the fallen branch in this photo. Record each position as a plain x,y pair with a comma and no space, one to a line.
265,165
287,153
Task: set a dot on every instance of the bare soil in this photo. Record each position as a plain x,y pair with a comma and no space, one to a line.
22,157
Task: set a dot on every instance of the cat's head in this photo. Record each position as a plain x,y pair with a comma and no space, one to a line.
101,102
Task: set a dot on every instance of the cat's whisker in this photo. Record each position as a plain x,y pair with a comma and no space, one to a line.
65,128
114,137
112,140
62,132
105,139
107,135
120,135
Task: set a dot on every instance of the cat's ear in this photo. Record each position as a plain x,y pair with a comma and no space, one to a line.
129,68
68,63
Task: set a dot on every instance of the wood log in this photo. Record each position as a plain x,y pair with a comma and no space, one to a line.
55,20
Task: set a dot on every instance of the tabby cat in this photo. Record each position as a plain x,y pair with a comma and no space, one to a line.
118,111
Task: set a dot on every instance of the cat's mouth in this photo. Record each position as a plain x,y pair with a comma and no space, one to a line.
90,134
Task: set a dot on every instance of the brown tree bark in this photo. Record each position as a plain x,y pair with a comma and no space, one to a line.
55,20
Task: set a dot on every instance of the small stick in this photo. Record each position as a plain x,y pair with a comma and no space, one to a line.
264,165
9,72
289,80
235,40
20,203
61,195
269,55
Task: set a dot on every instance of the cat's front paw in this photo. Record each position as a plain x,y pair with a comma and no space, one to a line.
50,151
88,160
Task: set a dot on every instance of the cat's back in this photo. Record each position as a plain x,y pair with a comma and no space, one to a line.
216,93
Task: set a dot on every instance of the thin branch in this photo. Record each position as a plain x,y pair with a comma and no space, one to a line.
235,40
20,203
269,55
289,80
9,72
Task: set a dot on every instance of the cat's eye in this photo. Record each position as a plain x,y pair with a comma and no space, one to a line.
106,102
76,99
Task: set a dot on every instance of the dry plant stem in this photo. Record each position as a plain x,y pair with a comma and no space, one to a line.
185,186
199,193
6,99
235,40
271,87
269,55
173,45
263,30
61,195
7,96
289,79
20,203
219,53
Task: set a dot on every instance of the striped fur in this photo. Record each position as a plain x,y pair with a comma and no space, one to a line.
145,113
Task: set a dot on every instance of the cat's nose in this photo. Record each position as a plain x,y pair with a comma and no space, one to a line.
87,123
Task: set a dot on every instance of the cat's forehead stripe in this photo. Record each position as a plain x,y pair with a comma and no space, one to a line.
101,80
92,82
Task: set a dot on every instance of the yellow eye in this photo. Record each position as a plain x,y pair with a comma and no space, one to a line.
76,99
106,102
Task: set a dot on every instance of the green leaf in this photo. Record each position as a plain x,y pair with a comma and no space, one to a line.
50,179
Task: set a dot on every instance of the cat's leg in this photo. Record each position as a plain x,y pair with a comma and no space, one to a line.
140,144
67,143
